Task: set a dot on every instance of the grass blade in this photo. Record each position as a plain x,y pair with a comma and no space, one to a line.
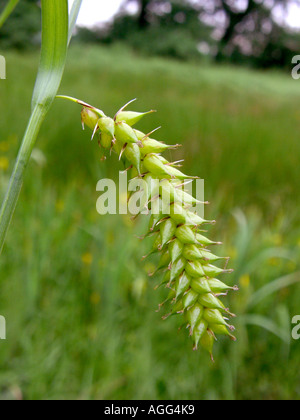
54,51
268,325
7,11
55,31
73,17
273,287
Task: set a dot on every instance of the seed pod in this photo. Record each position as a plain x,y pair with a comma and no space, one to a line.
131,118
195,269
89,118
204,241
133,155
153,146
125,134
185,235
189,299
200,286
211,302
178,214
182,285
176,250
194,316
185,198
177,307
164,260
153,186
167,191
177,268
106,140
157,246
221,330
207,342
167,231
199,332
214,316
217,286
176,174
208,256
107,126
192,253
211,271
155,166
165,280
194,219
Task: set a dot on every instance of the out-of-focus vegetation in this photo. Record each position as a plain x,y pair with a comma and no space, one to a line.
21,31
80,308
251,32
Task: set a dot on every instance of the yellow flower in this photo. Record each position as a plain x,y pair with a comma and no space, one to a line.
87,259
95,298
275,262
291,266
232,252
277,239
4,163
4,146
60,206
245,281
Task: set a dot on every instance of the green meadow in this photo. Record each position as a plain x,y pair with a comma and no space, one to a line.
81,311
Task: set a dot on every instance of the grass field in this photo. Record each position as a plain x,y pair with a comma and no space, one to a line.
80,308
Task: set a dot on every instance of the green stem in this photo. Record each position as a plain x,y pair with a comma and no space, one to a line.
16,181
7,11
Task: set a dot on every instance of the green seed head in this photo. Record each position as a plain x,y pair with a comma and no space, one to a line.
89,118
131,118
176,250
106,140
125,134
187,264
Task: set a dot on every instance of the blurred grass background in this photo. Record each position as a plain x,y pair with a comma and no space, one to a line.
80,308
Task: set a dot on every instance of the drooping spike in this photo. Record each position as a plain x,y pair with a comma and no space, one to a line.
179,238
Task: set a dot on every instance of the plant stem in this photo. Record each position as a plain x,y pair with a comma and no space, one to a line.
7,11
16,181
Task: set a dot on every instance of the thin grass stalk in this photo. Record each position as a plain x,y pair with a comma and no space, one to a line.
56,34
7,11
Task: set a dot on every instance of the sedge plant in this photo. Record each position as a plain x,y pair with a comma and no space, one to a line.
189,265
57,29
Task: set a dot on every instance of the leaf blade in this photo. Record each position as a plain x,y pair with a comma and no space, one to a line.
55,32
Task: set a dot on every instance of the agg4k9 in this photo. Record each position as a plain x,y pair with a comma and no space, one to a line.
172,409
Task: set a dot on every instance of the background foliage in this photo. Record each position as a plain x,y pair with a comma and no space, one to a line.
242,32
80,308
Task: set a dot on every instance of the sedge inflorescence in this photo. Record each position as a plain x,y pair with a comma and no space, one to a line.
188,264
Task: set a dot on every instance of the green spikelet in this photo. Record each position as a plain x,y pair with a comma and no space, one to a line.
186,260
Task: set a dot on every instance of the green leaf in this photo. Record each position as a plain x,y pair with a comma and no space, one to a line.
55,32
73,17
273,287
7,11
268,325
